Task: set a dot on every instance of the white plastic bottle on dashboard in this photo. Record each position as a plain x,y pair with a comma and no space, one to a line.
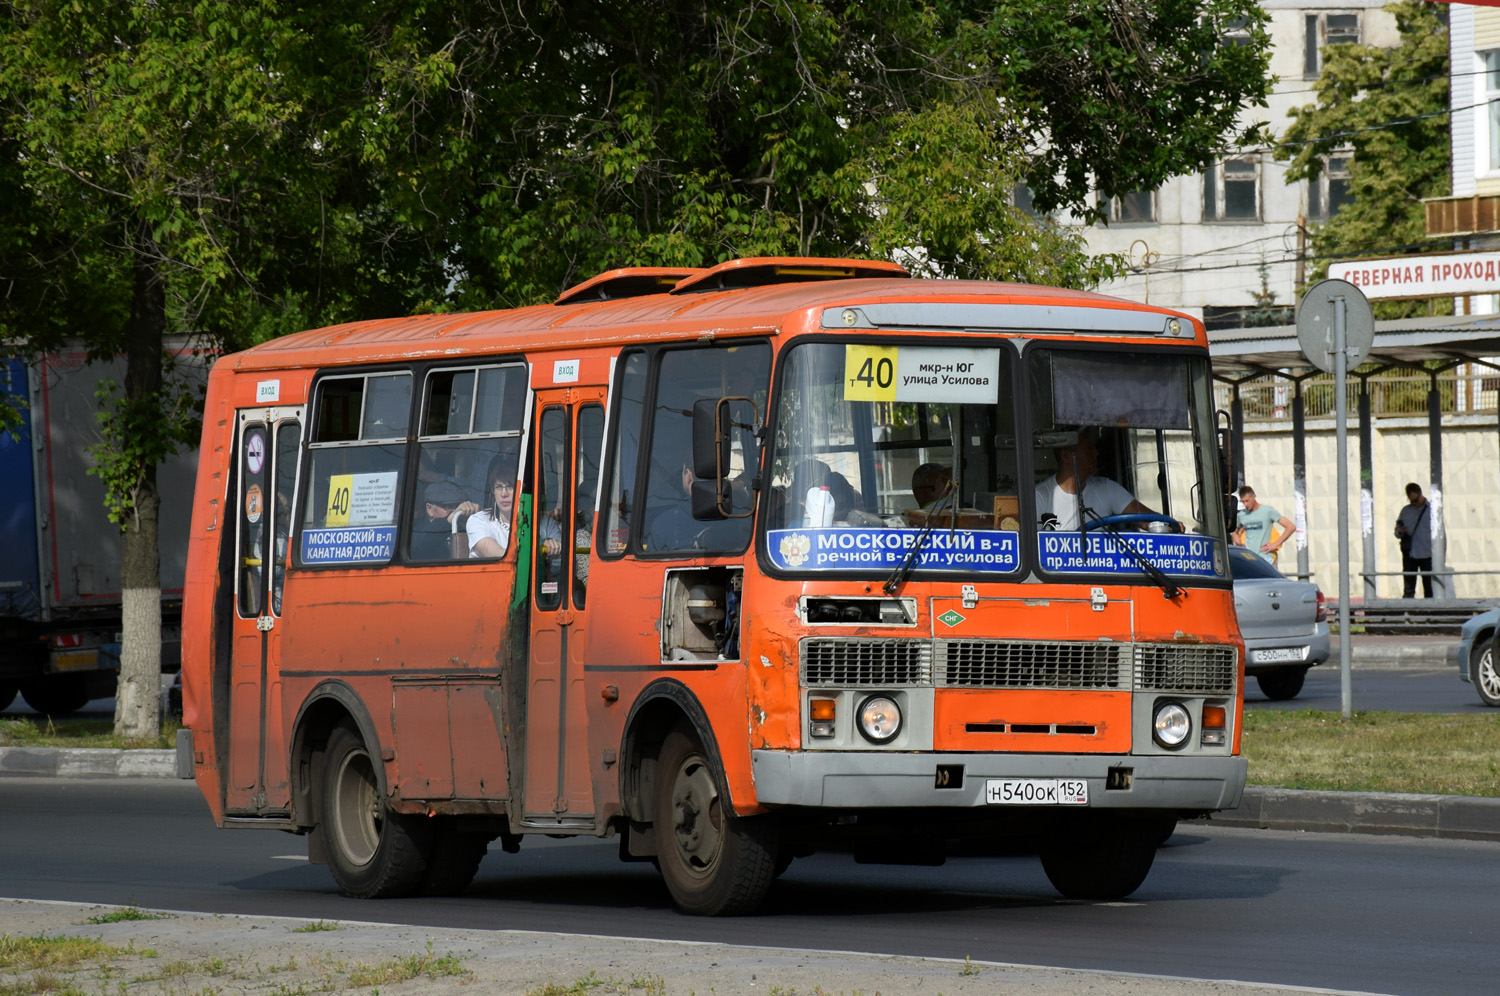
818,510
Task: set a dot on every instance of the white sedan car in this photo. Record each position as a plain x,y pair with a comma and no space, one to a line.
1283,623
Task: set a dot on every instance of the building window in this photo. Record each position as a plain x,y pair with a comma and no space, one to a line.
1020,196
1490,109
1231,191
1330,191
1136,207
1327,29
1236,33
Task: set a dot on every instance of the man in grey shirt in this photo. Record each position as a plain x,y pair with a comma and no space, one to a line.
1414,531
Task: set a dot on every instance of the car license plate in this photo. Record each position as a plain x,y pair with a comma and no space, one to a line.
1281,654
74,660
1036,792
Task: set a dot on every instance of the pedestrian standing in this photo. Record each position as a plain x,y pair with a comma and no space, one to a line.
1258,522
1414,532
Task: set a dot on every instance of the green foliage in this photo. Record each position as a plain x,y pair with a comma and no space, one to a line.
1389,105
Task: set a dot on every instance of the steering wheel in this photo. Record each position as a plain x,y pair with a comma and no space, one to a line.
1132,519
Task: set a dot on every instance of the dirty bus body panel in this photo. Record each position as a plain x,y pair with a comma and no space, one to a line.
60,601
647,561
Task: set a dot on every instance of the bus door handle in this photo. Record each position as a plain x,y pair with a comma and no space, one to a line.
565,617
265,624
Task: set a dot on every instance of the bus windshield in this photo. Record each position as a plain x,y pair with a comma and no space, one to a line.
1072,460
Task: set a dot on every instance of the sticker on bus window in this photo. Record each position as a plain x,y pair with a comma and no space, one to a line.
252,504
363,545
996,551
1171,553
361,499
255,452
949,374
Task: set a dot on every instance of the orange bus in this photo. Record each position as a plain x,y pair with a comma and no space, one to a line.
735,564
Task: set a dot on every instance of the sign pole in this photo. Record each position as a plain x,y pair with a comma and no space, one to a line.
1336,328
1341,430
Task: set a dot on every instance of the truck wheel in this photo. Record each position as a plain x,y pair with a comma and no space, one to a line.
1482,667
714,863
453,860
372,852
7,695
1107,859
1283,684
55,696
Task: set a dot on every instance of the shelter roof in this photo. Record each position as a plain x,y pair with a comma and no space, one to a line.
1242,353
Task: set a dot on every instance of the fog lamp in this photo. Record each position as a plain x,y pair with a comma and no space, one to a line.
1171,725
879,719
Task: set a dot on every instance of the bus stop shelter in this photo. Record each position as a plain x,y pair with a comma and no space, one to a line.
1428,346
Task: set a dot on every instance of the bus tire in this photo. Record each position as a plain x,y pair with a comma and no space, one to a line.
714,863
372,852
1107,859
453,860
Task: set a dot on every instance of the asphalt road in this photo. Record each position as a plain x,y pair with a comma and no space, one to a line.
1376,914
1424,688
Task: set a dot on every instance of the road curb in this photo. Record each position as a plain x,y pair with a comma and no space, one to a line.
1450,816
87,762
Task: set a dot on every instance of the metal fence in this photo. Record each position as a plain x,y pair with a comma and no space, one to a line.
1397,393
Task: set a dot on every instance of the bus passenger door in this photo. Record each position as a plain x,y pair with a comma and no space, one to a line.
568,434
266,448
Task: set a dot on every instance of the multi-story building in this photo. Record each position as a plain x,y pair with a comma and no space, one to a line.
1228,241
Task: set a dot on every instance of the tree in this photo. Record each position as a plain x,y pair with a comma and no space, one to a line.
236,170
1390,107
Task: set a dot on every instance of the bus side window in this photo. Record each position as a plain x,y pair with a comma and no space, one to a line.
686,376
470,418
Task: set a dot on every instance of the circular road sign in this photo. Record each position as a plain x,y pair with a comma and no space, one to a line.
1315,323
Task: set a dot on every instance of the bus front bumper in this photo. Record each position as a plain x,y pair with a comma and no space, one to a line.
871,780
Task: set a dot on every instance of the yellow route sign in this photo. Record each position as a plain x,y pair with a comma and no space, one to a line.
869,373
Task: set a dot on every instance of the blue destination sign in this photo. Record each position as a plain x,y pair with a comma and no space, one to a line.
838,549
1170,553
349,545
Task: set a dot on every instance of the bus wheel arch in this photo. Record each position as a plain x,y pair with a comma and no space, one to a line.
327,707
663,705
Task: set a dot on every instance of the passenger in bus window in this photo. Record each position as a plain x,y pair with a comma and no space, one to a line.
675,528
446,507
489,528
1058,497
928,482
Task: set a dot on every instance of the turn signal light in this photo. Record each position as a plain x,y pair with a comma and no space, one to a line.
1322,608
822,709
1214,717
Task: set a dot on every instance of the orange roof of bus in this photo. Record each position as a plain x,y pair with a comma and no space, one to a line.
686,315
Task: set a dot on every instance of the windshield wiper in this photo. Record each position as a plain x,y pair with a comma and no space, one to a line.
1169,588
909,561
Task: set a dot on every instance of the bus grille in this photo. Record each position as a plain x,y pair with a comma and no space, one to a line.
1174,667
834,661
1032,664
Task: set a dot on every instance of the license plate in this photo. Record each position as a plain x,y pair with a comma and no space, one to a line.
1036,792
1282,654
74,660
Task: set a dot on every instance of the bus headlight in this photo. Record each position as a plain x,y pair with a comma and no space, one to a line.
879,719
1171,725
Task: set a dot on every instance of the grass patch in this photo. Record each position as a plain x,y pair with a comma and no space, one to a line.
44,731
396,970
1374,752
28,954
315,927
126,914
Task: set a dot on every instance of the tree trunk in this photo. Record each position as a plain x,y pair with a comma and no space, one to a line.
138,697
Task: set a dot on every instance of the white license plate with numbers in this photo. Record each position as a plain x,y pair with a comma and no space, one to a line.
1036,792
1281,654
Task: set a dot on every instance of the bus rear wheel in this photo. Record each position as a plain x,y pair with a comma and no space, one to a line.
372,852
714,863
1107,858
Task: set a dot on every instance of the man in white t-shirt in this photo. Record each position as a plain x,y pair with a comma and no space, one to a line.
1057,497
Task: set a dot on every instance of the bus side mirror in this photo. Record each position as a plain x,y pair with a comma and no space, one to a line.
710,442
711,500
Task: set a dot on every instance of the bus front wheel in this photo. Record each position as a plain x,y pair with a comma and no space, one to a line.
372,852
714,863
1107,858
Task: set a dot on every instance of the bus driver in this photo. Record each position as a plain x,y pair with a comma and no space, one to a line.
1057,498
